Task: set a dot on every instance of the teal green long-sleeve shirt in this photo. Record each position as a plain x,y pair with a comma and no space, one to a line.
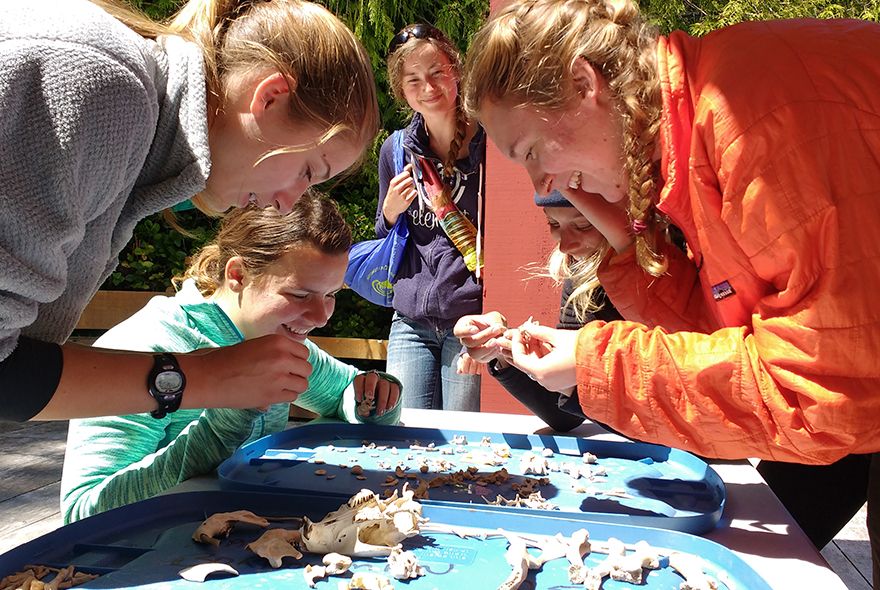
117,460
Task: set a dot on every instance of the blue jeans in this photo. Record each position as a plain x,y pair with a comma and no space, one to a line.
424,359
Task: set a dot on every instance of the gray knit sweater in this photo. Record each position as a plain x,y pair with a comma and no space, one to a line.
98,129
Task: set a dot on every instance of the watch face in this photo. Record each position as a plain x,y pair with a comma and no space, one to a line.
168,381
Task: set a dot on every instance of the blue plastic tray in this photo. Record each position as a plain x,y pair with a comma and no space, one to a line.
145,545
664,488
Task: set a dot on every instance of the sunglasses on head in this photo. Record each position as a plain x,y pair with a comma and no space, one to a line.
419,31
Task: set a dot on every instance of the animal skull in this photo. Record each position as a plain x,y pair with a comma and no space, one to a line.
366,526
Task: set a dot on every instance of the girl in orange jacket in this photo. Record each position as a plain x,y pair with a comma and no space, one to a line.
760,142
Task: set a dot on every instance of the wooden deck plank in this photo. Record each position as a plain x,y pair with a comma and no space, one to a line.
29,515
843,566
26,473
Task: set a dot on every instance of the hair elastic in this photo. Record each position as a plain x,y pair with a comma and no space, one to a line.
638,226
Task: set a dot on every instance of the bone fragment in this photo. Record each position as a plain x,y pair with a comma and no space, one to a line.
200,572
314,572
691,569
276,544
404,565
578,546
367,581
221,524
518,557
336,563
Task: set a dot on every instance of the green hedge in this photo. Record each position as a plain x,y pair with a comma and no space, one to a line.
157,252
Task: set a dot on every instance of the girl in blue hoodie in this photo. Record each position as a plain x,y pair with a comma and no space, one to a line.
434,286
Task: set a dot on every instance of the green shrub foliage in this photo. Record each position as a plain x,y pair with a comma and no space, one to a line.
157,251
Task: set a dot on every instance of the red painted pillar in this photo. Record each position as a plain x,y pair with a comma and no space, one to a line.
517,240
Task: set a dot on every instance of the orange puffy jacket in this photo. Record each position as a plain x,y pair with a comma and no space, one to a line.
764,340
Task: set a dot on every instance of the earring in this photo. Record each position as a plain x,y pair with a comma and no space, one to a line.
574,181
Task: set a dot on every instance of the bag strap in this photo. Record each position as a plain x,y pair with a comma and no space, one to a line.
397,151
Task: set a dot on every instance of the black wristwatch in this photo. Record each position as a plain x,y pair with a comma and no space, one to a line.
165,383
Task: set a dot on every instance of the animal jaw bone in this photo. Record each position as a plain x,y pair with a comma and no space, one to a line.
221,524
366,526
276,544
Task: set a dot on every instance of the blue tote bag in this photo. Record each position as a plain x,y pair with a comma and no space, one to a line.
373,264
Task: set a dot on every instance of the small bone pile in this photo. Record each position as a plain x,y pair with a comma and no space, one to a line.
31,578
622,563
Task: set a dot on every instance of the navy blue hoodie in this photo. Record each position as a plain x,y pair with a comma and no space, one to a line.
433,286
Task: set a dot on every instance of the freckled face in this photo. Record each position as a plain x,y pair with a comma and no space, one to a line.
429,85
578,147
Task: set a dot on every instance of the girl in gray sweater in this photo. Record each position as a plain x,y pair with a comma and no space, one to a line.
108,117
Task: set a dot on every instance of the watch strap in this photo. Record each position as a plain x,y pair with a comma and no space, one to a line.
168,402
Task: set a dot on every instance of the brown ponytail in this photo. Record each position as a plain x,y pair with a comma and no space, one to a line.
262,236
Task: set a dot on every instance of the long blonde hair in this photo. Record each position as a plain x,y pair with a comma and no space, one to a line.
316,53
582,272
262,236
524,55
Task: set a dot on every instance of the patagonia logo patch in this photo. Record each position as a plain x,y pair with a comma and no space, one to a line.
722,290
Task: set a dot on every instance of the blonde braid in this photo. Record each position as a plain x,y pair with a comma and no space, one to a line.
637,88
461,125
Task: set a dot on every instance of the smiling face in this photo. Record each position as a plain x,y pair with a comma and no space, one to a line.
579,147
428,81
573,233
292,296
259,152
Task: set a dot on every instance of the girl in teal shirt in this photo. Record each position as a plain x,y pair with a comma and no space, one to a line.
266,273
